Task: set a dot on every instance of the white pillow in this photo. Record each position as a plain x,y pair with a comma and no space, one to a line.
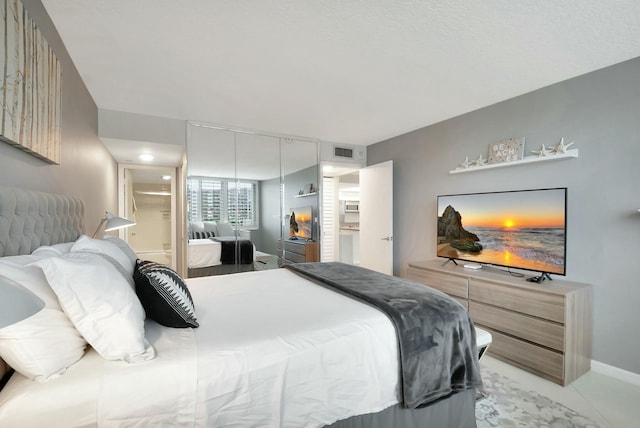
101,246
101,305
31,278
196,226
53,250
39,342
225,229
126,248
210,226
22,260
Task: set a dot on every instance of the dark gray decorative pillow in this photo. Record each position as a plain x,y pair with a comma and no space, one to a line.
164,295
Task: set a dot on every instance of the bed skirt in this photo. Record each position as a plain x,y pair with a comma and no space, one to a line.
455,411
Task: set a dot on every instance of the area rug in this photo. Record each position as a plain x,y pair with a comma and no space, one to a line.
266,262
505,404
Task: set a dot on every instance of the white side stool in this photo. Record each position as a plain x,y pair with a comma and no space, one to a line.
483,340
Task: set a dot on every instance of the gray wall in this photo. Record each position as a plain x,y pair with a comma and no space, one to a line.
267,237
600,111
86,170
270,211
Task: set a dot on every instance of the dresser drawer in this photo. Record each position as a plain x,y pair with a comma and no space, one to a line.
524,300
542,361
296,248
295,257
452,285
299,251
536,330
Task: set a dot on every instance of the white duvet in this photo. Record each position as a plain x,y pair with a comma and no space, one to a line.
272,350
203,253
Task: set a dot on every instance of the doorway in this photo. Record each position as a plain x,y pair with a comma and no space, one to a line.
147,196
357,215
340,214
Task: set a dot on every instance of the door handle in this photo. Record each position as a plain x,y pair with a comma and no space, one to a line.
387,238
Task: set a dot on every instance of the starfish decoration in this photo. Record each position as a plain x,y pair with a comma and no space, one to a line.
480,161
542,152
561,147
466,163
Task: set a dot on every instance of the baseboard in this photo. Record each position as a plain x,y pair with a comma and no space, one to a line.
615,372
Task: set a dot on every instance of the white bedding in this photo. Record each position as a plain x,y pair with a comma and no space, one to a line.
205,252
272,349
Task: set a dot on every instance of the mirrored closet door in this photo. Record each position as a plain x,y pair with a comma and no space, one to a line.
241,187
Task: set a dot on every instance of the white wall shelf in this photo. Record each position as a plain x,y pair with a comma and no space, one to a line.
528,159
305,194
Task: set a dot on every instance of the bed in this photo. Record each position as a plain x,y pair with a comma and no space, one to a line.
214,249
272,348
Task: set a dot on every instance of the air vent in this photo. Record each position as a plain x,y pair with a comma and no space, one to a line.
341,152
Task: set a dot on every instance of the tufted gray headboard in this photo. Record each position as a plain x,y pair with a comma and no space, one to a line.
29,219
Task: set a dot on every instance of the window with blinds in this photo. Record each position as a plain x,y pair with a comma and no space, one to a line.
242,203
193,197
218,199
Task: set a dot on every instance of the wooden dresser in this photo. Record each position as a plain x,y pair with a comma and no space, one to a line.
299,251
542,328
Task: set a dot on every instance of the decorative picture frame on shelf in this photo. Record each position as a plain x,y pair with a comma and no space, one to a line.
508,150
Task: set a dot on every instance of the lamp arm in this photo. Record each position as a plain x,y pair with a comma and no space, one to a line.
99,226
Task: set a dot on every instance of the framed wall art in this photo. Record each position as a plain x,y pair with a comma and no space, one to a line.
30,86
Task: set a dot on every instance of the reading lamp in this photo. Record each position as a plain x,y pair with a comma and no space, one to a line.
113,223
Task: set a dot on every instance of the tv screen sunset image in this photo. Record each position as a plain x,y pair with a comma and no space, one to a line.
524,229
300,222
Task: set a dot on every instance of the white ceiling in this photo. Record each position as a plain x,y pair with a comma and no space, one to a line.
127,151
353,71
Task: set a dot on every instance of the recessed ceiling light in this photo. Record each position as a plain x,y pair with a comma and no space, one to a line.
166,177
146,157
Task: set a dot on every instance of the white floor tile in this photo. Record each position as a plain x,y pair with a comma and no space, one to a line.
608,401
618,402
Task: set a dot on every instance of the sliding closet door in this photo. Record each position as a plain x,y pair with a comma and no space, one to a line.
256,194
211,174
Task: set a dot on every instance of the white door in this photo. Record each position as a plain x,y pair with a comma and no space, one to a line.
376,217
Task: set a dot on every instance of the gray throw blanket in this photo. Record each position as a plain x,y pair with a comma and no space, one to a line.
234,250
437,340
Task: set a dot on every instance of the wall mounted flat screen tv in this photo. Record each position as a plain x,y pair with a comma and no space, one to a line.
300,223
524,229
